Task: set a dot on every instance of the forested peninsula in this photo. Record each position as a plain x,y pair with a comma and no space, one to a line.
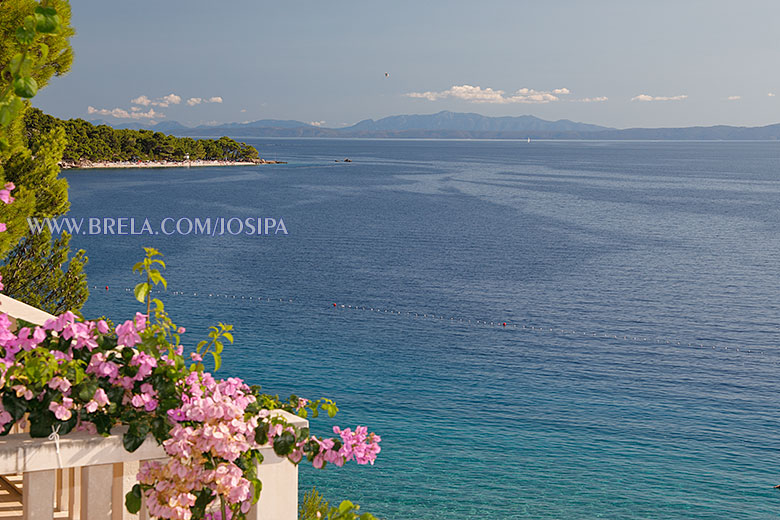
90,146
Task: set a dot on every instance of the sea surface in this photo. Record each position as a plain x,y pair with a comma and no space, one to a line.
637,375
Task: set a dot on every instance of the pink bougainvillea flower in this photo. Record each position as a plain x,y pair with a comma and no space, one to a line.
60,383
62,410
127,335
102,327
5,194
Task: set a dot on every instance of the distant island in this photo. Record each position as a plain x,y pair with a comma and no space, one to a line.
454,125
101,146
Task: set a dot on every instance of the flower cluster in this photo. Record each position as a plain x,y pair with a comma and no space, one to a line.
71,374
68,368
210,432
6,198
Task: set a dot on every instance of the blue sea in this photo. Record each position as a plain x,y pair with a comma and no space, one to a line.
636,375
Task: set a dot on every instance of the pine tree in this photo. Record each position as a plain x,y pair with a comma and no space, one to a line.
35,269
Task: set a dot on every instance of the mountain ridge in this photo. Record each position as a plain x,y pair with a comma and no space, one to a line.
463,125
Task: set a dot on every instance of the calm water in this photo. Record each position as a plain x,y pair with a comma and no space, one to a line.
664,241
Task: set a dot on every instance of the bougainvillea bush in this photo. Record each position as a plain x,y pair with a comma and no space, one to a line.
77,375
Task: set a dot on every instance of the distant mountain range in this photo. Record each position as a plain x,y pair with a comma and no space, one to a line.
454,125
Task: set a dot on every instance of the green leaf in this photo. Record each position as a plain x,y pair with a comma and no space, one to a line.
346,506
261,434
17,105
133,500
102,422
25,87
141,292
41,423
6,115
284,443
46,20
116,393
87,390
228,336
135,436
257,488
157,277
205,496
330,408
16,406
25,36
21,67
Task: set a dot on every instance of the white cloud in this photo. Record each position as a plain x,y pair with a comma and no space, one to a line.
316,123
733,98
197,101
141,100
592,99
171,99
771,94
645,97
466,92
121,113
477,94
165,101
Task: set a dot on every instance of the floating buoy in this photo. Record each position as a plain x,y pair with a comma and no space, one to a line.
106,287
504,324
335,305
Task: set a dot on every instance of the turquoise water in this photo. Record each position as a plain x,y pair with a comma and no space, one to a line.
662,242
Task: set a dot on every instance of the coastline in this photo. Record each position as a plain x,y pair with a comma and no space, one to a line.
86,165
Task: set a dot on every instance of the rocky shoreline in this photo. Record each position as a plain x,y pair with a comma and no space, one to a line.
67,165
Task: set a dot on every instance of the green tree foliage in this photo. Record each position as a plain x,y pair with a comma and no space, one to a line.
37,276
315,507
86,141
60,54
35,47
33,271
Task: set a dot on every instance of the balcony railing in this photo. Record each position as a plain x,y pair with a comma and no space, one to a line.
88,476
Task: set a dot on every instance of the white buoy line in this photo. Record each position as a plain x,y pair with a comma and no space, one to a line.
496,324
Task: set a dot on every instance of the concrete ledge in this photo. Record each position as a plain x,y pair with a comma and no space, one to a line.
22,311
20,453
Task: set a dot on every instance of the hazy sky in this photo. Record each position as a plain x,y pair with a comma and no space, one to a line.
619,63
